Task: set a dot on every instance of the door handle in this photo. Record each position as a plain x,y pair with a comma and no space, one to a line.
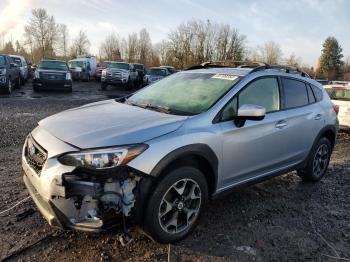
281,124
318,117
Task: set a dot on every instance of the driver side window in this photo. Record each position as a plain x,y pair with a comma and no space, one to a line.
263,92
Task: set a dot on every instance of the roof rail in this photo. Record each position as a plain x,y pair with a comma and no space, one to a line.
286,69
233,64
256,65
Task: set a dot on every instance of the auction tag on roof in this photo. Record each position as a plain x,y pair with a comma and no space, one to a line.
225,77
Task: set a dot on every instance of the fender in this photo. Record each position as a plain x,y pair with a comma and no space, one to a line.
321,133
201,150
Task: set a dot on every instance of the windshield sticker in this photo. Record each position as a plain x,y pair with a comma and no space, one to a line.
225,77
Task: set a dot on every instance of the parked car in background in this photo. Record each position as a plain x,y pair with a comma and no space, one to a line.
23,67
99,68
119,73
340,96
322,81
82,68
10,75
141,72
341,83
155,74
52,75
154,158
171,69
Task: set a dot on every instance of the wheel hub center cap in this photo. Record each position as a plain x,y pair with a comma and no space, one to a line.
180,205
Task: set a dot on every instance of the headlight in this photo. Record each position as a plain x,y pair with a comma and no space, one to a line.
103,158
36,74
124,75
104,72
68,76
3,71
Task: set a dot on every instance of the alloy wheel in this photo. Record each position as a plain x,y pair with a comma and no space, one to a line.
321,160
180,206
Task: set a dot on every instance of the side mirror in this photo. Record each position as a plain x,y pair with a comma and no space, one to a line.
13,65
249,112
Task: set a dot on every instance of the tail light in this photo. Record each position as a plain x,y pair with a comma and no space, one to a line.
336,108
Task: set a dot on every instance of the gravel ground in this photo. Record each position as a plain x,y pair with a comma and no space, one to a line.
281,219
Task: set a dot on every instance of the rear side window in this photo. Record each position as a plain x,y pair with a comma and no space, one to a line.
317,92
295,93
311,95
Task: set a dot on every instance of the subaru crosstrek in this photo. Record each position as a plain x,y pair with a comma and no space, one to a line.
154,158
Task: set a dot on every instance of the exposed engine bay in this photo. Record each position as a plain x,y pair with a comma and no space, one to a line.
94,200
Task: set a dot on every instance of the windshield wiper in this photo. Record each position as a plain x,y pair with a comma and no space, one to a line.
158,108
162,109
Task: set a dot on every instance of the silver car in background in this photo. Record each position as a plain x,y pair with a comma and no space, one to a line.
155,157
23,67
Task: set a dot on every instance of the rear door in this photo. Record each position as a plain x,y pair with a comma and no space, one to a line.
305,117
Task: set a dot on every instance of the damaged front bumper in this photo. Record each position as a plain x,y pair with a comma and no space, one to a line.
70,198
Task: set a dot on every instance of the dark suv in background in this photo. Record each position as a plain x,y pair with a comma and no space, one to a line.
141,72
9,74
52,74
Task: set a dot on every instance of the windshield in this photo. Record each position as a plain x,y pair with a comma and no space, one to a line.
73,64
187,92
339,94
118,66
17,61
157,72
139,67
170,69
2,60
53,65
104,64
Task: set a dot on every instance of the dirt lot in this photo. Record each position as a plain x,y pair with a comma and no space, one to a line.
282,219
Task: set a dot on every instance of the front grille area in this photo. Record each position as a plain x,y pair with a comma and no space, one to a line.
53,76
115,75
35,155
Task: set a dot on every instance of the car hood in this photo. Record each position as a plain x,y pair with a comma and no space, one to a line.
109,123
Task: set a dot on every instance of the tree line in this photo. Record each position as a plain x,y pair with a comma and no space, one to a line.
193,42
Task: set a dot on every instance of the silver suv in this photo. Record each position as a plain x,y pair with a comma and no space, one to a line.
154,158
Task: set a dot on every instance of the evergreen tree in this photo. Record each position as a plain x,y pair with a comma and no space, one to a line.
330,61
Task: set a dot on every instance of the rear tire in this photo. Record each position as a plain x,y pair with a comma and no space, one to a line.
317,162
18,82
175,204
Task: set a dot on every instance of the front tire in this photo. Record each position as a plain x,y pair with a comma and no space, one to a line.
317,162
9,86
175,204
103,86
18,82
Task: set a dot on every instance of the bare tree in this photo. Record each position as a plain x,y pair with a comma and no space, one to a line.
197,41
42,30
81,44
270,52
110,48
132,47
63,39
145,49
293,60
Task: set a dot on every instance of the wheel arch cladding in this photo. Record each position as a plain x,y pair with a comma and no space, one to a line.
198,155
330,135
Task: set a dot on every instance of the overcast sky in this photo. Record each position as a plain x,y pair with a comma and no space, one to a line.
299,26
